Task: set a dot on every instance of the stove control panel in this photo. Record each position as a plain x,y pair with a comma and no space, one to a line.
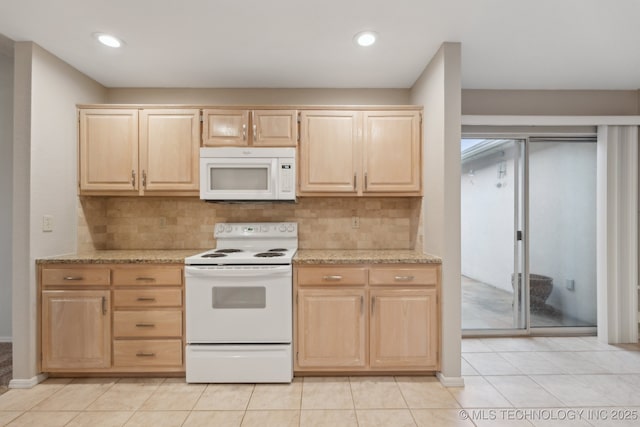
260,229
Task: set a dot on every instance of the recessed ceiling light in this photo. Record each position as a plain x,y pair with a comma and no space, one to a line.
108,39
365,38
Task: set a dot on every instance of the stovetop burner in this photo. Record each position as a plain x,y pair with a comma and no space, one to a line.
250,244
268,254
213,255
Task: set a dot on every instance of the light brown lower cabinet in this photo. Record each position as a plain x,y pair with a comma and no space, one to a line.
76,329
112,318
331,326
403,328
366,318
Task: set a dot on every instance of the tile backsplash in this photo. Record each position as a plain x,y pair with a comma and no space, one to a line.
187,223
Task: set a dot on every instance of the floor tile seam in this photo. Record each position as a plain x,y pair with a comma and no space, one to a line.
558,397
506,362
404,398
495,388
353,400
192,406
384,409
59,390
85,411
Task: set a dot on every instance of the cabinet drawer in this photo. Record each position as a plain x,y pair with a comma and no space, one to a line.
75,276
405,276
142,353
154,276
332,276
147,298
147,323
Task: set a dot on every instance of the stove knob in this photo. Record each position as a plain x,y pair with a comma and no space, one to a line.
283,227
290,227
264,228
219,228
227,228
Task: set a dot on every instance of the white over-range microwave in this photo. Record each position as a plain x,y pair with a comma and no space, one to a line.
247,173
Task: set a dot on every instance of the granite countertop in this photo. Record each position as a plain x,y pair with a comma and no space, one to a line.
124,256
363,256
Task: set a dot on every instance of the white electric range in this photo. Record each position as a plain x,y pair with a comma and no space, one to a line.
239,305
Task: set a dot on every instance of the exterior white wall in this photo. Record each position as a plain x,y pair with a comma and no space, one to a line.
562,221
487,220
6,184
45,167
438,89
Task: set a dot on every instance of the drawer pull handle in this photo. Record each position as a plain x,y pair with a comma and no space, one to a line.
145,325
332,278
144,354
404,278
146,279
145,299
73,278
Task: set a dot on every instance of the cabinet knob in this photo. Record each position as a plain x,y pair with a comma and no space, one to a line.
144,354
146,279
145,299
145,325
404,278
73,277
244,132
332,278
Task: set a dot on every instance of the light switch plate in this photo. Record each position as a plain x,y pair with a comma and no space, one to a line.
47,223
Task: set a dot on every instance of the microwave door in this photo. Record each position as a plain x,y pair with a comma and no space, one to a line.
238,179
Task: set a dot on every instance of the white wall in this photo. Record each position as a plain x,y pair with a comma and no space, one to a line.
487,219
45,167
438,89
6,183
251,96
562,221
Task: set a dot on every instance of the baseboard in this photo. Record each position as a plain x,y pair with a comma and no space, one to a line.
6,339
16,383
450,381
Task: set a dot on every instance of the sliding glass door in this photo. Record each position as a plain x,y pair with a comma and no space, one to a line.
562,232
491,218
528,210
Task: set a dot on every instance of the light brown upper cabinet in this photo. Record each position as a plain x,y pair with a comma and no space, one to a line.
329,152
137,152
240,128
363,153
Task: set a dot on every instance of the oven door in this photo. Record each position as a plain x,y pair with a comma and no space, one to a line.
238,304
252,178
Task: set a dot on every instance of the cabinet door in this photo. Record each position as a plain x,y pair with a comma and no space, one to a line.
329,152
225,128
391,153
331,328
170,149
108,150
76,330
274,128
404,330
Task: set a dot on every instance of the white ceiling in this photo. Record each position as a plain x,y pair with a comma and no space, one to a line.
506,44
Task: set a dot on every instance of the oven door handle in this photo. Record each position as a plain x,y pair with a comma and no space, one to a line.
229,271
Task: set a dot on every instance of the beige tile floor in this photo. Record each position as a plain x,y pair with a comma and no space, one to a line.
573,381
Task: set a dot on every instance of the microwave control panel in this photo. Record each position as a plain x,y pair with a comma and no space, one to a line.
287,177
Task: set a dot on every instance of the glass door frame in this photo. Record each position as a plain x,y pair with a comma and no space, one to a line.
522,309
